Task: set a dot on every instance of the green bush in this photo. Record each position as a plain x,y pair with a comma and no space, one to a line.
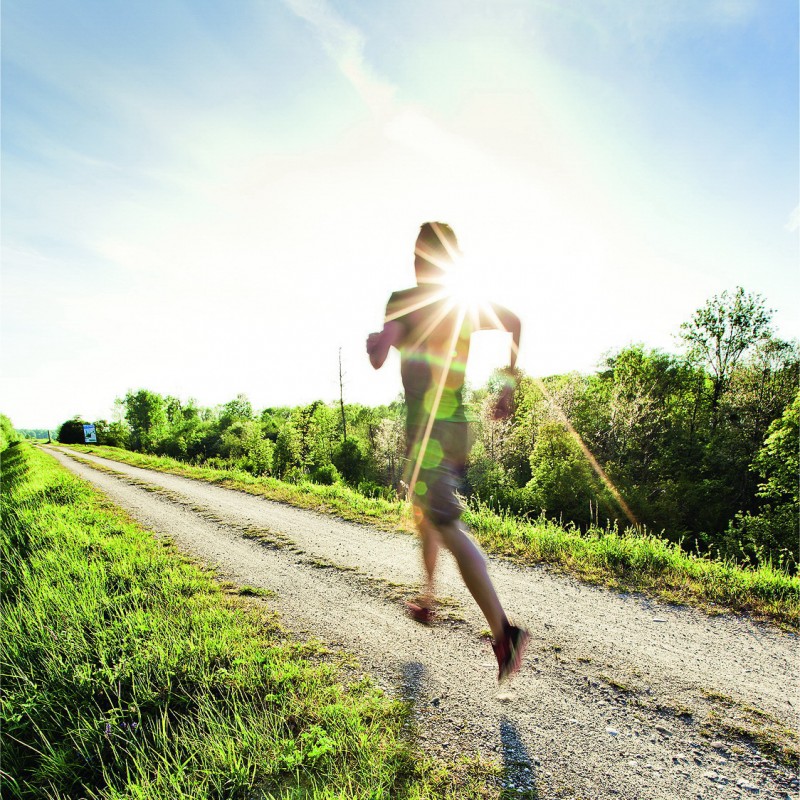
375,490
349,459
326,475
71,432
7,433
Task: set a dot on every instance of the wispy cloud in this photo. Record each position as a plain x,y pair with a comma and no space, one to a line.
405,125
345,44
794,221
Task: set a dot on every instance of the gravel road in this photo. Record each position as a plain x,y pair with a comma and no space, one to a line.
619,696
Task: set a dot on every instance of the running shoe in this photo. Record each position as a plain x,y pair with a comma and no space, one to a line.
509,651
420,613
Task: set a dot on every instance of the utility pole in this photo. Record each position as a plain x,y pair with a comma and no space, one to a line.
341,397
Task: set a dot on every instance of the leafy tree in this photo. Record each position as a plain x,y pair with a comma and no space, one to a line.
113,434
270,424
236,409
242,441
778,462
350,460
7,433
33,433
146,414
488,480
287,454
389,449
721,332
772,533
71,431
561,479
325,475
508,442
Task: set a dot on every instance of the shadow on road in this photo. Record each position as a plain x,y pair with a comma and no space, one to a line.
519,776
411,680
519,769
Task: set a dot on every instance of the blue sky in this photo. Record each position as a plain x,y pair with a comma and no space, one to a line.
206,198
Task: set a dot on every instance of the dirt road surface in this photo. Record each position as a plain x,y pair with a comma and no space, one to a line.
619,696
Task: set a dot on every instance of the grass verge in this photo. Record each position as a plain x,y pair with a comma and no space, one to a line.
625,560
128,672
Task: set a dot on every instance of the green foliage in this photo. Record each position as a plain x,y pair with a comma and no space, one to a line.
287,454
349,458
778,462
561,479
771,535
489,481
7,433
325,474
146,414
71,432
33,433
239,408
113,434
721,332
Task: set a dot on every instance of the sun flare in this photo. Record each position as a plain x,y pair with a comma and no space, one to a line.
466,286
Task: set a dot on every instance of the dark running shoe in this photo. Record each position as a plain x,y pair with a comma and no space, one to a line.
420,613
509,651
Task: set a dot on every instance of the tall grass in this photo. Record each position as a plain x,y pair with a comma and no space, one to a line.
629,559
642,561
127,673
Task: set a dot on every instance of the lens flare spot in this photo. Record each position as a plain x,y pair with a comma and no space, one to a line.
433,455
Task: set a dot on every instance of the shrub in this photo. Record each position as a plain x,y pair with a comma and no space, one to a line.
326,474
375,490
71,432
7,432
349,459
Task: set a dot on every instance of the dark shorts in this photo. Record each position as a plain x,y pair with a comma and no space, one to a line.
440,471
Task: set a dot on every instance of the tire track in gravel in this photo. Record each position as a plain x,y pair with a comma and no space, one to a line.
619,696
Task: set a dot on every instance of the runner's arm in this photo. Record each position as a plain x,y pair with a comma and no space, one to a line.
378,344
499,318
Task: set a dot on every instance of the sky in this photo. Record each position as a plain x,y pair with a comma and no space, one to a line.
212,197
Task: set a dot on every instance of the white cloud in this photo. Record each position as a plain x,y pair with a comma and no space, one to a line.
345,44
794,220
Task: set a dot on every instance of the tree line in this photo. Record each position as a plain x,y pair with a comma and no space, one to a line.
700,446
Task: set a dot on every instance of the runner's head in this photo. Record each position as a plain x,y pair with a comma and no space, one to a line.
433,254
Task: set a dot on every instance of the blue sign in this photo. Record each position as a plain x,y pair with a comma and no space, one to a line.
89,434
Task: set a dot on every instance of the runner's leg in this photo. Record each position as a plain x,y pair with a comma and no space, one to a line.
472,565
430,554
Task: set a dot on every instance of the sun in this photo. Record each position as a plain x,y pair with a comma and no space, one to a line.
466,286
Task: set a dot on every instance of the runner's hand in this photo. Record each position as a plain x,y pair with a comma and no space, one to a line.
504,407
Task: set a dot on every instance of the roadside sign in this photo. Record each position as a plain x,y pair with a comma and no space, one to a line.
89,434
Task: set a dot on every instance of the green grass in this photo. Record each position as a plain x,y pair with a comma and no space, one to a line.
646,563
626,560
128,673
